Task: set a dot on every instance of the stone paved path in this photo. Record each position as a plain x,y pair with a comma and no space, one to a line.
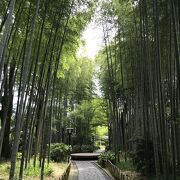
88,171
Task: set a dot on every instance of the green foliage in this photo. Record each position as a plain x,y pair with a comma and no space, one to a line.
60,152
87,148
31,171
107,156
76,149
5,167
35,171
48,34
76,76
101,131
84,148
100,115
87,117
19,155
143,156
126,165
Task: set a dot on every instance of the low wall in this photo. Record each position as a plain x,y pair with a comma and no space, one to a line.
122,175
65,175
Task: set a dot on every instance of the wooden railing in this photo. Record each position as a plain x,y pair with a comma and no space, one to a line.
65,175
121,175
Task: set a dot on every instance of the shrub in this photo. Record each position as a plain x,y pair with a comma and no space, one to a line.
143,156
84,148
107,156
87,148
60,152
76,149
126,165
96,148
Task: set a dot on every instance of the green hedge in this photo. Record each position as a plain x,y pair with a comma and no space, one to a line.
106,156
60,152
84,148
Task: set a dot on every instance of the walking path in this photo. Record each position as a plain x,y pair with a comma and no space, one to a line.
87,170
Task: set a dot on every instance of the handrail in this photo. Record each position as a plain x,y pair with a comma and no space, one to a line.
66,172
119,174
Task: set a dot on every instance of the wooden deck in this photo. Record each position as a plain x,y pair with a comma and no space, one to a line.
85,156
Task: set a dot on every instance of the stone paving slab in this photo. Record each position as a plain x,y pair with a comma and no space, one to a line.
88,171
105,172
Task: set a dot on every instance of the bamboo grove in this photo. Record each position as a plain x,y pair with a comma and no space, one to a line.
37,38
139,72
42,80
